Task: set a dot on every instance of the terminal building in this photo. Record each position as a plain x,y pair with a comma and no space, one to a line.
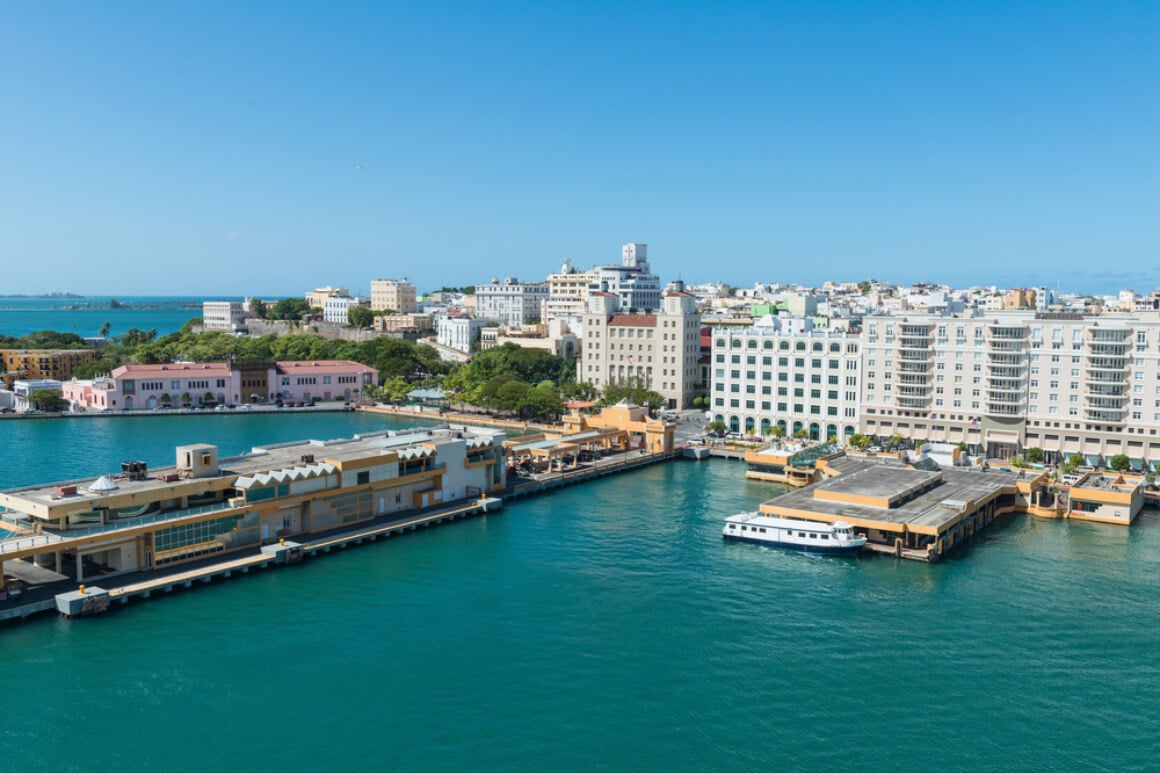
137,519
912,513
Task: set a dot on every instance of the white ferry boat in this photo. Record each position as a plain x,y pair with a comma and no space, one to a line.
836,538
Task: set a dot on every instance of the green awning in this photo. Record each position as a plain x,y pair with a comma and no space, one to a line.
1093,460
1136,464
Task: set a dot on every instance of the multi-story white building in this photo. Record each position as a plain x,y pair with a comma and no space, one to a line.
226,316
631,281
393,295
335,309
459,333
510,302
785,373
1006,381
658,350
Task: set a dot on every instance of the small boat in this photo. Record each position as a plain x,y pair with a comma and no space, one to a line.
831,539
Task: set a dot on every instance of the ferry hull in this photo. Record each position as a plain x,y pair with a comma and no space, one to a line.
809,549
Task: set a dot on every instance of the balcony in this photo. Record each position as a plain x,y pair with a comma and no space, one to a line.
1104,348
1106,402
1003,410
915,367
914,403
910,390
1107,335
1104,415
1008,332
1116,376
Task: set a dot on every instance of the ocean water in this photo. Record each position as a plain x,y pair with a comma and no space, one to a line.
21,316
605,626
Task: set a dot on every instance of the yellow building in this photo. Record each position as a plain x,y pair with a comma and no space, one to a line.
57,364
1106,498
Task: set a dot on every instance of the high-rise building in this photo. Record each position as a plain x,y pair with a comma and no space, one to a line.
568,295
393,295
631,281
785,373
510,302
1065,382
657,350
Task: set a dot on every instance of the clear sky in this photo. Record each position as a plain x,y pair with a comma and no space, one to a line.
267,148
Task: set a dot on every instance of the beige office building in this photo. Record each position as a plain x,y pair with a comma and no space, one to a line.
394,295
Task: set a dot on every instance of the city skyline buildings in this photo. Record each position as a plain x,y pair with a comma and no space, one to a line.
963,145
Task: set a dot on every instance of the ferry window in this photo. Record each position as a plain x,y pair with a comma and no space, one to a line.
364,477
825,536
744,528
801,534
763,530
813,536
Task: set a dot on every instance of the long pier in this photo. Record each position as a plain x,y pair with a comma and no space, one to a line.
94,599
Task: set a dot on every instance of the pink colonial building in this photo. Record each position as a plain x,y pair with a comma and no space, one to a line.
177,385
303,380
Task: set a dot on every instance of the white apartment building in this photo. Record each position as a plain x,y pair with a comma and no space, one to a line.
226,316
658,350
393,295
510,302
459,333
335,308
786,375
1006,381
631,281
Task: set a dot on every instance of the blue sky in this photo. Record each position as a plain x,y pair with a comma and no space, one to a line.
267,148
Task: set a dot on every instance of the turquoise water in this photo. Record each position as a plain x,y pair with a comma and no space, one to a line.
21,316
605,626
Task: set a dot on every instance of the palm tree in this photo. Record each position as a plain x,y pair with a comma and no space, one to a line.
104,332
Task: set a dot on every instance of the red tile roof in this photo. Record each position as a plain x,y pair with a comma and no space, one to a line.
172,369
318,366
633,320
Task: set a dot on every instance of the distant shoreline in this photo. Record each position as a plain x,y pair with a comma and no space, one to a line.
45,296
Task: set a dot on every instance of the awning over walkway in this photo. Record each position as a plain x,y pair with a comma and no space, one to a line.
1093,460
1137,465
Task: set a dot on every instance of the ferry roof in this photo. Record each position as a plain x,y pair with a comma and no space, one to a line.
931,510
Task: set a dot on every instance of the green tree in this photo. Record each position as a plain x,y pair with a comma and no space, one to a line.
716,427
778,431
49,400
289,309
360,316
134,337
860,441
1035,455
634,392
258,308
801,434
1120,463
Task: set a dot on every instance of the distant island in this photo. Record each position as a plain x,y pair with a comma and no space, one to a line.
43,295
